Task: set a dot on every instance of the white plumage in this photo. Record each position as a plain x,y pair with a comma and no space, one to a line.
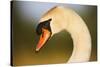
69,20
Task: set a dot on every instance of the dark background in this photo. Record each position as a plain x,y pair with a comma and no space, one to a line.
25,17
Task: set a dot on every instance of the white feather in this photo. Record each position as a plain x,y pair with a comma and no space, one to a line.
65,18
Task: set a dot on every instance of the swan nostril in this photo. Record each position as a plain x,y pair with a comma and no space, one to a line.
45,25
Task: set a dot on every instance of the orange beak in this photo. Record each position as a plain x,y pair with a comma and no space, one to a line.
43,38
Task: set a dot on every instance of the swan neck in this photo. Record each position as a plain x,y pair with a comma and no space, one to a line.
81,42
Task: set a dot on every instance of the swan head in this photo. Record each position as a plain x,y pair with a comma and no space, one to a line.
50,24
44,31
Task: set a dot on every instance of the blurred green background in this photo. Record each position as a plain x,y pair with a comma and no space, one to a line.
25,17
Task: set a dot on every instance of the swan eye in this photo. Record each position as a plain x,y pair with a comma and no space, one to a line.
45,25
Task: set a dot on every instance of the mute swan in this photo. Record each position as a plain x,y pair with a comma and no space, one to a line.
60,18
